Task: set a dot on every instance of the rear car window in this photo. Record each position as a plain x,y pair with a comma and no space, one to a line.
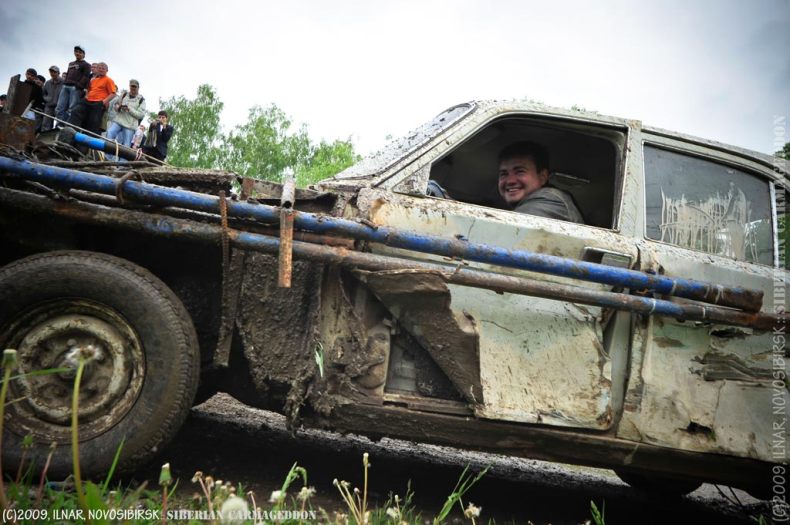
706,206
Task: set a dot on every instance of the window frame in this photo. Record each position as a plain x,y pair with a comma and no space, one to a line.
445,145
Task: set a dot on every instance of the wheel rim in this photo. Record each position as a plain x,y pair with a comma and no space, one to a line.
58,335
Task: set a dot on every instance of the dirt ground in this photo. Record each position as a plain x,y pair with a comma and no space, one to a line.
231,441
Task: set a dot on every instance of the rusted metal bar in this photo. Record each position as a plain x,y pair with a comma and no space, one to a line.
182,213
737,297
246,187
16,132
18,97
287,198
179,228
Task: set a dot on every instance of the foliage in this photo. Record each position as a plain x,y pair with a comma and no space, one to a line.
197,141
598,515
326,160
464,483
264,147
784,152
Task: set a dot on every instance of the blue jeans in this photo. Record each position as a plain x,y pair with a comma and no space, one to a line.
68,99
121,134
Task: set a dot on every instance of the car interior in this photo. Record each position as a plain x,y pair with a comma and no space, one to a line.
585,161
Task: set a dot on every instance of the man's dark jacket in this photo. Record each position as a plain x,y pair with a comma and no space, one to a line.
156,141
78,74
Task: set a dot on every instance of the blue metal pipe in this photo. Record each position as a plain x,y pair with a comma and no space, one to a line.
170,227
87,140
737,297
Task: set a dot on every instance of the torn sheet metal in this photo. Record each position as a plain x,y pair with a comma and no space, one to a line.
420,302
354,343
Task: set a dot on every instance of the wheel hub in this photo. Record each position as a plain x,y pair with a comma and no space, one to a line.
61,336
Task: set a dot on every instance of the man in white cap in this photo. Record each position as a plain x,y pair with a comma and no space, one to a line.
52,89
130,110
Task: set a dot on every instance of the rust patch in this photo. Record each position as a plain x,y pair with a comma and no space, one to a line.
16,132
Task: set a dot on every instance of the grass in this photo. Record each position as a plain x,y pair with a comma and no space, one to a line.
29,497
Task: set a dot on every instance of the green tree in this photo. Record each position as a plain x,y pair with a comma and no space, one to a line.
326,160
784,152
265,146
197,140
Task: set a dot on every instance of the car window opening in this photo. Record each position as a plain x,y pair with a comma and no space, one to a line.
585,162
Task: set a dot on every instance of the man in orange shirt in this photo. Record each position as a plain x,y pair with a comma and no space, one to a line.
88,113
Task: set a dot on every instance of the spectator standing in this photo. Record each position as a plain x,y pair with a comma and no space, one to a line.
90,111
40,81
75,85
36,93
130,110
159,134
51,89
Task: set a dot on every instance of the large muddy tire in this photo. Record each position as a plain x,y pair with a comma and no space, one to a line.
657,485
142,364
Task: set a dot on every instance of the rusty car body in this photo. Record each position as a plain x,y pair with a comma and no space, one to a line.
368,336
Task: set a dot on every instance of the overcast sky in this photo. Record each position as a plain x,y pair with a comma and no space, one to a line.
367,69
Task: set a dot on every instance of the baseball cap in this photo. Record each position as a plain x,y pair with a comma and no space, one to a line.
133,82
56,69
79,47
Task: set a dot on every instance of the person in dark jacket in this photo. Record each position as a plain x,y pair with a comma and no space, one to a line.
36,95
159,134
75,85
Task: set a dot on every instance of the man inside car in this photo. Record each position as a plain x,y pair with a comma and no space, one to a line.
523,177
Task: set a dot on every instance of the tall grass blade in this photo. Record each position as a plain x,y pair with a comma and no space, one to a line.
113,466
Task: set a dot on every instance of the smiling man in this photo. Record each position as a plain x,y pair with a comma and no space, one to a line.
523,174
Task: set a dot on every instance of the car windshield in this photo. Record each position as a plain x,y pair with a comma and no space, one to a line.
398,148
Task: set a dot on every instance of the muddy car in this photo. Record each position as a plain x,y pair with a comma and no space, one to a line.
648,339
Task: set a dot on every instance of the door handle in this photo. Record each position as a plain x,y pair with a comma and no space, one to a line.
607,257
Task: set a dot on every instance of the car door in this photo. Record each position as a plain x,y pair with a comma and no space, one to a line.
540,360
710,215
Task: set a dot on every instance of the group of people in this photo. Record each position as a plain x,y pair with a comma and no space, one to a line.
85,96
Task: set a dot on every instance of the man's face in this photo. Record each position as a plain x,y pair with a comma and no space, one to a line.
29,76
100,70
79,54
518,178
133,89
162,120
53,74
